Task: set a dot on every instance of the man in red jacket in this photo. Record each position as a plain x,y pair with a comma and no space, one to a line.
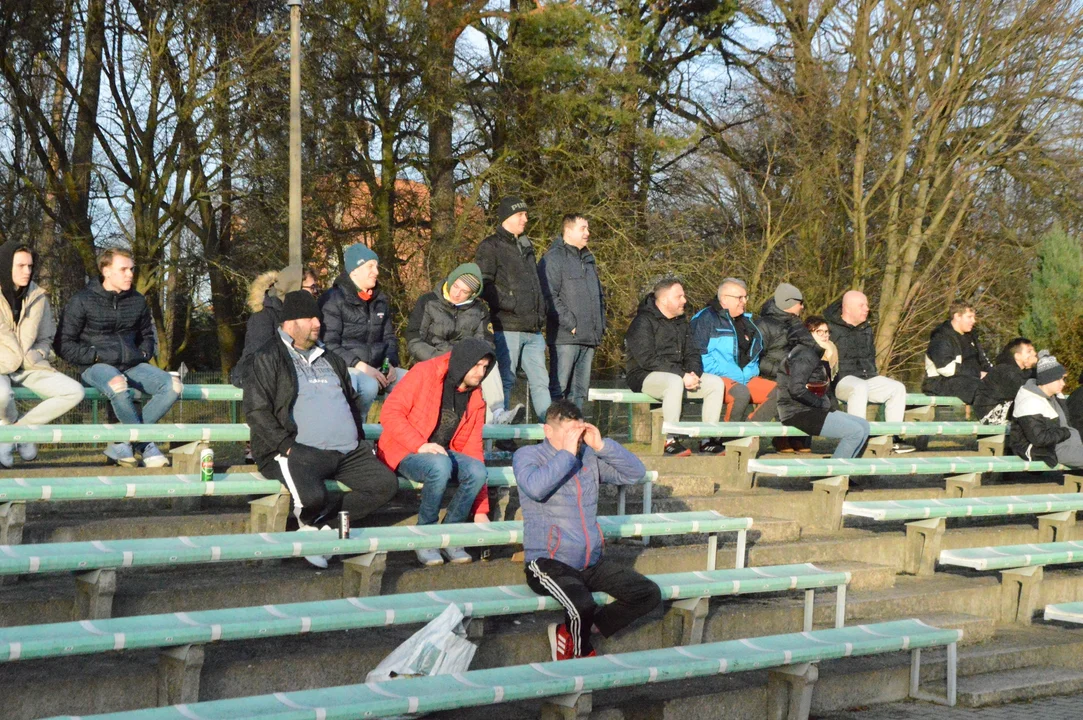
432,424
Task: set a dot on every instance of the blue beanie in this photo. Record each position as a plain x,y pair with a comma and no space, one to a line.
357,255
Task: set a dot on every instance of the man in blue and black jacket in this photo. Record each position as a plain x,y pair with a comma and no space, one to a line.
558,487
731,343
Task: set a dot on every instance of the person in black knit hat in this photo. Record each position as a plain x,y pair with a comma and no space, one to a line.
306,424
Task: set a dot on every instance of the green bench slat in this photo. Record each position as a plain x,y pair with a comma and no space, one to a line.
165,630
539,680
192,432
1014,556
1065,612
624,395
190,392
774,429
62,557
964,507
824,467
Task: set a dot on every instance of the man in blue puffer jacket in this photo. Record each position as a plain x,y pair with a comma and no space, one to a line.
558,488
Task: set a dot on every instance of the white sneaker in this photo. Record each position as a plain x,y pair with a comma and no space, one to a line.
457,556
508,417
429,557
121,454
7,456
319,561
153,457
28,451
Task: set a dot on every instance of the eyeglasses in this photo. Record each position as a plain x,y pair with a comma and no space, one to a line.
313,289
822,331
739,298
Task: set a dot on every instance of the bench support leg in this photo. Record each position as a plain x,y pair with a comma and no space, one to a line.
268,514
1056,527
362,576
789,691
94,592
829,495
920,413
734,464
186,457
840,606
12,521
693,612
950,670
1019,593
992,445
178,674
1073,483
658,438
879,447
503,501
567,707
959,486
923,539
810,606
640,430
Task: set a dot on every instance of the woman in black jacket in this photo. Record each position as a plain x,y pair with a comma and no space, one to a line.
804,400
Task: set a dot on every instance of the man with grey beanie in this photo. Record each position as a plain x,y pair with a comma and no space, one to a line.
1040,429
779,319
513,292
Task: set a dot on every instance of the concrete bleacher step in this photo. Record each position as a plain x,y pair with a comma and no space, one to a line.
914,596
1012,647
1029,683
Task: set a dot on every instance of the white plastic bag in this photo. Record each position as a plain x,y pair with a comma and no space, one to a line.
439,648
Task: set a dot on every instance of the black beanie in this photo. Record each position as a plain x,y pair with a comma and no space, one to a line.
299,304
508,207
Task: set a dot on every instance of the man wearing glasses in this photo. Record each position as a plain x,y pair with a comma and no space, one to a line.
730,343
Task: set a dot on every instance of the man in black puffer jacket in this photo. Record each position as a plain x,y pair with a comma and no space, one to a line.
955,363
1014,366
452,312
780,318
513,292
664,363
356,326
107,330
1040,429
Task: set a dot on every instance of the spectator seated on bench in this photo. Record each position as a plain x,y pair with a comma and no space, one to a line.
663,361
307,424
955,363
26,347
432,423
1040,429
558,481
1014,366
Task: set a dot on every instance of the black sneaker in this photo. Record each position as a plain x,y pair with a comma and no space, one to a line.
674,448
712,446
506,445
901,448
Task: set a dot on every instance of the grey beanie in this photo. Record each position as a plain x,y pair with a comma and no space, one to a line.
786,296
1048,370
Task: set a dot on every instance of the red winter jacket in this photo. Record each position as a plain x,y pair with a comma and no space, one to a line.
412,410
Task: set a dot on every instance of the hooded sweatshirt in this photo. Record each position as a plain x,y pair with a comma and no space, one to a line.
436,323
13,296
27,327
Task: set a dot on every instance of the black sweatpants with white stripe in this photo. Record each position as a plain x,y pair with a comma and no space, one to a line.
634,596
305,472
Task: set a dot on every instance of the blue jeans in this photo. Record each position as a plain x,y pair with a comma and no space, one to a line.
368,388
433,471
851,430
570,365
162,387
528,350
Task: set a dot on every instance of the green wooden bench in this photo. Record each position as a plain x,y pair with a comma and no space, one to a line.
97,561
568,684
227,393
1071,612
1021,571
689,590
268,513
924,535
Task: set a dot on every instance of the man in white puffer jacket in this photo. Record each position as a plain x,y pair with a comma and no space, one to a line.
26,346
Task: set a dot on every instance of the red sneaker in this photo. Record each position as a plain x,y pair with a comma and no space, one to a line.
592,653
560,642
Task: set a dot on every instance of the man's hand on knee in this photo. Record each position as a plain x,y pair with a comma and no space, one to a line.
118,384
432,449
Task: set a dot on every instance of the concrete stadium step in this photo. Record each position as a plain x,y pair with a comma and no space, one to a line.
1012,647
1029,683
913,597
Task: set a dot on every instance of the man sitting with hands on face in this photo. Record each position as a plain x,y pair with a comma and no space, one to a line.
558,488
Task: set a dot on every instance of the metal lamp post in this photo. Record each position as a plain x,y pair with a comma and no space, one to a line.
291,275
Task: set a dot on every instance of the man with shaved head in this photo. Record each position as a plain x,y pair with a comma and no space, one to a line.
858,380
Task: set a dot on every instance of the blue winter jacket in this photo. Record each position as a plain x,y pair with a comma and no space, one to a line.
715,338
559,495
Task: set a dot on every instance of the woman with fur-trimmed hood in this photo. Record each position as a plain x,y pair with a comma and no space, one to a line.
265,297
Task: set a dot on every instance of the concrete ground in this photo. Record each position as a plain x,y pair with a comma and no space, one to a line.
1069,707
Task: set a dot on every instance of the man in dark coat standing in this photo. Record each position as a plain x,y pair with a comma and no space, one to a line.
516,305
576,307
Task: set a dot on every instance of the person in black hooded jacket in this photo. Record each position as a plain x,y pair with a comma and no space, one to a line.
663,361
513,292
781,327
357,326
955,363
1014,366
1040,430
106,329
